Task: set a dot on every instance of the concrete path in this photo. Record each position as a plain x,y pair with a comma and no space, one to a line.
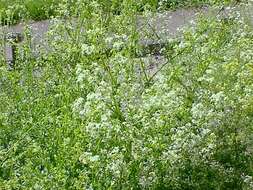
166,25
154,29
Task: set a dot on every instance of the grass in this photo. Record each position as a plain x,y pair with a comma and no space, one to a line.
89,121
14,11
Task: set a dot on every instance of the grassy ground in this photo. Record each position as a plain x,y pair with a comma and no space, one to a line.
13,11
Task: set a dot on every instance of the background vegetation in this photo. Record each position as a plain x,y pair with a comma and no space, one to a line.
84,116
13,11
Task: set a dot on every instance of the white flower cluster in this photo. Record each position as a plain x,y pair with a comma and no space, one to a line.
88,157
185,117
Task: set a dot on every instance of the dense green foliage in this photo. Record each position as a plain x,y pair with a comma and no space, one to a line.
15,10
83,116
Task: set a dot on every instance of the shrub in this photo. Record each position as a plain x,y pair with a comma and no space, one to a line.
88,116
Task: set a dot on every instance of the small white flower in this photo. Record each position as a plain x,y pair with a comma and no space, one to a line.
77,104
218,97
88,49
94,158
118,45
87,157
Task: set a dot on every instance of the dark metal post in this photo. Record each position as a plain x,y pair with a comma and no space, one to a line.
12,40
